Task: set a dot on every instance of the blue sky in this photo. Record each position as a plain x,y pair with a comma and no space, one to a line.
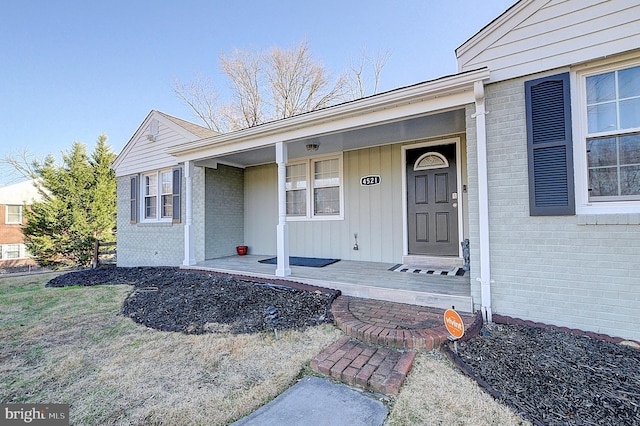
71,70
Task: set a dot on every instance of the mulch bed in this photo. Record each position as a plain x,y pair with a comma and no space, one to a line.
195,302
553,377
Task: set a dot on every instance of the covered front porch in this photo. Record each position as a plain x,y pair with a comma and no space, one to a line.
372,280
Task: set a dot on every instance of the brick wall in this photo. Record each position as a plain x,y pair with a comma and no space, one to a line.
564,270
224,211
9,233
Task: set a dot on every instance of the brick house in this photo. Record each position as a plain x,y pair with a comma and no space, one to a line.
13,200
531,152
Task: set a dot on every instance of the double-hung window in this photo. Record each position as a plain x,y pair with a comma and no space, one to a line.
14,215
612,136
157,190
314,189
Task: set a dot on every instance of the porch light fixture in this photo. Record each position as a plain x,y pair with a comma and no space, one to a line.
312,146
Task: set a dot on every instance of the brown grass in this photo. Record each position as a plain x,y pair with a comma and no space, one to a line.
72,345
436,393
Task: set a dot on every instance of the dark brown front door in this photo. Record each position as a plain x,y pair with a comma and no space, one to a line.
432,201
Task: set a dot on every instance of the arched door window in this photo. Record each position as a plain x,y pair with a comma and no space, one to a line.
431,160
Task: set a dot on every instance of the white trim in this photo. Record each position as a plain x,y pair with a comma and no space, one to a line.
159,208
282,230
21,213
435,95
579,119
403,159
310,215
189,238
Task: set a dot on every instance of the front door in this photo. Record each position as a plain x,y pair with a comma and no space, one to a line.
432,201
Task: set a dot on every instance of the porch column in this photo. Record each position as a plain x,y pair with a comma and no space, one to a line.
189,245
483,202
282,231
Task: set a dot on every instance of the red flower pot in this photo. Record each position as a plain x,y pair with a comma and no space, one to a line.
242,250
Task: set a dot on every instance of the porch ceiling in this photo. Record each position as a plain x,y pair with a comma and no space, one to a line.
444,123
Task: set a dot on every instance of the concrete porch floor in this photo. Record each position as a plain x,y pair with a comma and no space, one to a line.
370,280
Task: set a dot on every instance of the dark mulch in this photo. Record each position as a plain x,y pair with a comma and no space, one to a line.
557,378
194,302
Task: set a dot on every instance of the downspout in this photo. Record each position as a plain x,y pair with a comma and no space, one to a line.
282,269
483,202
189,244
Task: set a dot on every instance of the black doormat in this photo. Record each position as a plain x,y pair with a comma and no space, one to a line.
313,262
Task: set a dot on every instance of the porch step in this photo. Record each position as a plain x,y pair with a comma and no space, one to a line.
381,342
372,368
433,261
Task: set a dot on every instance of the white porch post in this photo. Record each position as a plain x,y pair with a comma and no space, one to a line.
283,268
189,245
483,202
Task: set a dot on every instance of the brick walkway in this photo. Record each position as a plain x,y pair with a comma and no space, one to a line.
381,341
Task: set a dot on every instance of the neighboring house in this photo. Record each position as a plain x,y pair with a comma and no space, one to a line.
531,152
13,200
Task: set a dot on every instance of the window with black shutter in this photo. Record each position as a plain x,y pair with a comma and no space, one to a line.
549,144
177,172
134,200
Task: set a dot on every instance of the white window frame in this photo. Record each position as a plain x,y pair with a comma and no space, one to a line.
7,251
310,171
19,222
580,131
159,196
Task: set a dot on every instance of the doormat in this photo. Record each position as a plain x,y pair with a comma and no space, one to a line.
313,262
427,271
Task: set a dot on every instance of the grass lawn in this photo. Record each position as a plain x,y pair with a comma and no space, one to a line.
72,345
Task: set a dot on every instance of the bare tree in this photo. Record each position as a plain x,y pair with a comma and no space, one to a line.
275,84
364,76
245,71
200,96
298,83
19,164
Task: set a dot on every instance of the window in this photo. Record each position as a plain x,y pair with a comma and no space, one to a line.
13,251
314,189
160,190
613,135
14,215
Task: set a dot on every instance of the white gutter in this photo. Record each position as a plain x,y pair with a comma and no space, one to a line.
483,202
380,103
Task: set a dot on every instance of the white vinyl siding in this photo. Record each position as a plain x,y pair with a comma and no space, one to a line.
541,35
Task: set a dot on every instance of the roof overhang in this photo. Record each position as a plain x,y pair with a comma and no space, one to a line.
420,99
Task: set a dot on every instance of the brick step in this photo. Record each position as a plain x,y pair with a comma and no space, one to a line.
372,368
390,324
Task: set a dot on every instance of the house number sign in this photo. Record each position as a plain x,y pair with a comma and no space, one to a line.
370,180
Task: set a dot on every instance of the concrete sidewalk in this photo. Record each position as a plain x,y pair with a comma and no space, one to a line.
319,402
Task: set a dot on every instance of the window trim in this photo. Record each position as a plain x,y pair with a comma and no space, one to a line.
309,196
159,218
21,214
581,134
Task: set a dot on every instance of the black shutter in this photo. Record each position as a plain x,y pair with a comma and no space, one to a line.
176,194
550,146
134,199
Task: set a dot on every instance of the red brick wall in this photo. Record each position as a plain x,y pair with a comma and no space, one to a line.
9,234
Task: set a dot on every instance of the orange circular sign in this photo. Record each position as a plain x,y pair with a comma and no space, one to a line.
454,323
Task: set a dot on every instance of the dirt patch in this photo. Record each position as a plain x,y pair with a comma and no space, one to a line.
193,302
553,377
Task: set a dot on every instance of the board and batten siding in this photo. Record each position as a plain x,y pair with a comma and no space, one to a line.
556,33
373,212
575,271
145,155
